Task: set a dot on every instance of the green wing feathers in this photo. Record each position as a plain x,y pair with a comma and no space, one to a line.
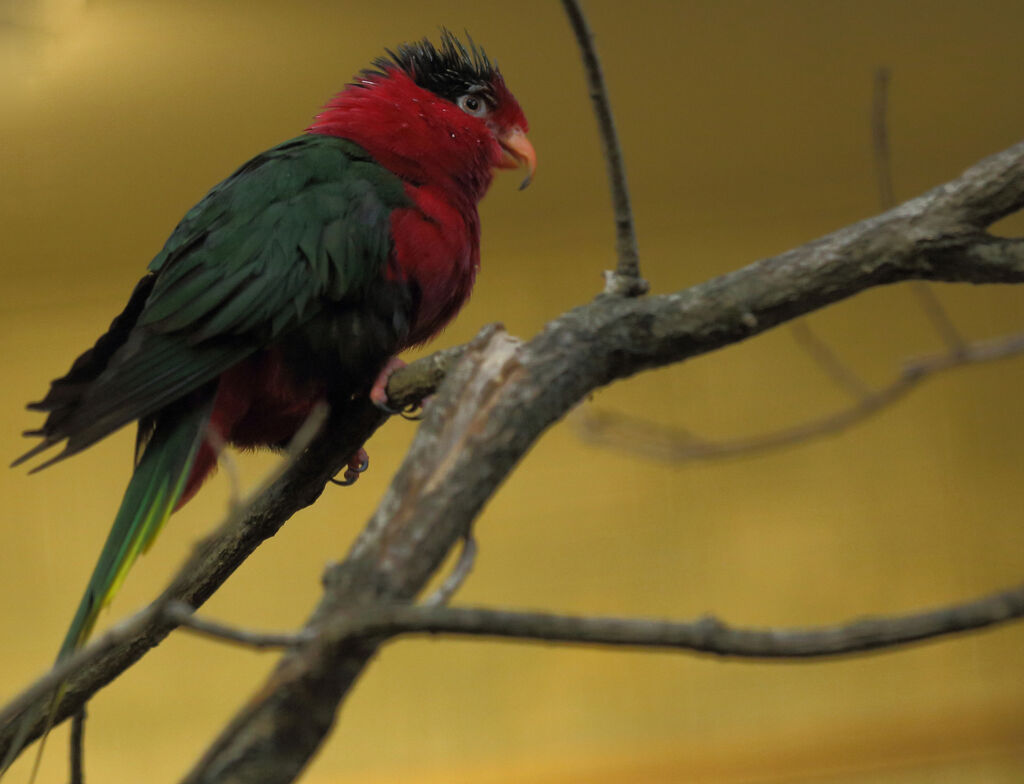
154,491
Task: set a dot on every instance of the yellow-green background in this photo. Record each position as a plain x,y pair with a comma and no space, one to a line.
745,127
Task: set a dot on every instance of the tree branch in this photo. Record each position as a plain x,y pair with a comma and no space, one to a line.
625,280
492,407
217,557
937,236
503,394
704,635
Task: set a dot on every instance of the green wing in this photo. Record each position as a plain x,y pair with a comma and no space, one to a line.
305,224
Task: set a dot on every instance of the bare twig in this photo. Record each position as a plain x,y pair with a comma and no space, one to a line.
625,280
634,434
880,138
184,615
76,748
704,635
829,361
675,445
463,566
929,301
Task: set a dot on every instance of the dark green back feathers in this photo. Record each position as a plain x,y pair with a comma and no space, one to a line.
303,227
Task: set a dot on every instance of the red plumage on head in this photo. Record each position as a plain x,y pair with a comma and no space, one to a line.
411,114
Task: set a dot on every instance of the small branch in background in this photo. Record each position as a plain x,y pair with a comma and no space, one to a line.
933,308
625,281
454,581
704,635
626,433
939,317
829,361
880,138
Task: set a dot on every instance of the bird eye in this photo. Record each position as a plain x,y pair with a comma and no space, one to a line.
472,104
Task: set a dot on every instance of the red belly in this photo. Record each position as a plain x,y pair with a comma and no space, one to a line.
258,403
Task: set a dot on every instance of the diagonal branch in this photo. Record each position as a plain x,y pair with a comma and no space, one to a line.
217,557
937,236
504,394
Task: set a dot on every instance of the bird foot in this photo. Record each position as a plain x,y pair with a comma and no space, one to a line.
379,393
379,390
358,464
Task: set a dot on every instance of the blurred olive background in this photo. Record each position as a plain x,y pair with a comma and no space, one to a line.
745,126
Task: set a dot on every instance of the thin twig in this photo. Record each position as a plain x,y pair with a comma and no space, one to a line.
829,361
626,280
929,301
463,566
938,316
703,635
184,615
624,432
76,748
880,138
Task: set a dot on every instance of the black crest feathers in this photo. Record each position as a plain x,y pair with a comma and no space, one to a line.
448,71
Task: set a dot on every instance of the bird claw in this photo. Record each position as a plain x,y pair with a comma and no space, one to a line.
379,394
357,465
379,390
412,412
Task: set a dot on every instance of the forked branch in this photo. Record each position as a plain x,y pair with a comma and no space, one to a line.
626,433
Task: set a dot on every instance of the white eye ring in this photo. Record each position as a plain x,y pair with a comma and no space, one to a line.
472,104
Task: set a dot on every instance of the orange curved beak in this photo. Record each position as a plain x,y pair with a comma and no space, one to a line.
518,152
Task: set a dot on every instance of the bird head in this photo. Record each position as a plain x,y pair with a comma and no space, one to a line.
435,116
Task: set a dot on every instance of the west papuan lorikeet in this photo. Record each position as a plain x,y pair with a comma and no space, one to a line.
295,280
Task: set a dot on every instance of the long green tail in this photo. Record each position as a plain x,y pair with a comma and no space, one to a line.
152,494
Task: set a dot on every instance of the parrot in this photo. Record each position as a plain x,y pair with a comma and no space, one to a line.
294,282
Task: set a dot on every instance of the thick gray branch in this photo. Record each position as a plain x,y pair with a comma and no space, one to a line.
500,401
503,395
